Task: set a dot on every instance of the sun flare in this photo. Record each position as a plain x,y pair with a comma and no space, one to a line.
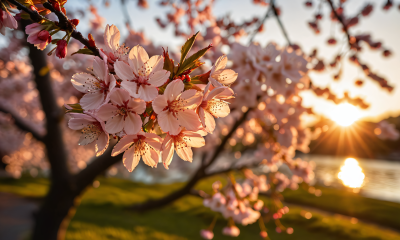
351,174
345,114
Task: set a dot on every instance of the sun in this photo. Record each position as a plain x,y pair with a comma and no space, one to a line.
345,114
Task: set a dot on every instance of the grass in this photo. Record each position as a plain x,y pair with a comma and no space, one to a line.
102,215
349,203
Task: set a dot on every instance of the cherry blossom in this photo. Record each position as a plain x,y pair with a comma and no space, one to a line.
177,108
92,130
182,143
141,145
96,85
219,76
112,49
214,105
7,20
143,75
122,112
38,35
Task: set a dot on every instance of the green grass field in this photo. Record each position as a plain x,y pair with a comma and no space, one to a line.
103,215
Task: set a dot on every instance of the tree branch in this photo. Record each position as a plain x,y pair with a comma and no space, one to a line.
97,166
340,19
22,124
261,23
53,140
64,23
280,22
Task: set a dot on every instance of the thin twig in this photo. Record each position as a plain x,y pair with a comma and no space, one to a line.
64,23
341,21
261,23
280,23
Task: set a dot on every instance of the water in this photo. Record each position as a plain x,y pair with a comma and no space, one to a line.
382,178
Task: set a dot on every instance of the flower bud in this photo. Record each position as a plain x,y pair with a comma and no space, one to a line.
44,35
74,21
61,50
56,6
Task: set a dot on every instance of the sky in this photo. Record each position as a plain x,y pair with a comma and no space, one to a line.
382,24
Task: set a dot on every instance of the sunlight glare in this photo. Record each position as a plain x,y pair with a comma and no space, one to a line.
345,114
351,174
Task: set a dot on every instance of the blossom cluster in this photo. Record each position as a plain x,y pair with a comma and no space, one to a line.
153,111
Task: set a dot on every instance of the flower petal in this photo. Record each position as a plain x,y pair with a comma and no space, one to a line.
167,151
192,98
194,139
123,71
119,96
148,92
209,122
115,124
168,122
106,112
133,123
123,144
159,103
185,153
173,89
131,88
92,100
159,78
83,82
153,140
189,119
137,105
156,63
151,157
79,123
102,144
221,62
226,76
99,68
130,159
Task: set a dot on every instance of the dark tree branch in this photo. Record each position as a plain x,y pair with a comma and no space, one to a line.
340,19
283,29
22,124
53,140
98,165
64,23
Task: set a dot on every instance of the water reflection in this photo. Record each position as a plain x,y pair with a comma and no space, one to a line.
351,174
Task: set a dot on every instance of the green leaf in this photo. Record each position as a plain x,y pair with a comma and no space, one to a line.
193,61
83,51
168,63
76,108
187,46
202,78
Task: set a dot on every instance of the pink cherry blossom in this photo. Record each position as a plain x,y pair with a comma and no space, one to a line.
92,130
142,145
96,85
112,48
206,234
232,231
38,35
214,105
177,108
7,20
143,75
182,143
220,76
61,50
122,112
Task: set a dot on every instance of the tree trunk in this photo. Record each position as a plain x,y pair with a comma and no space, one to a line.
52,220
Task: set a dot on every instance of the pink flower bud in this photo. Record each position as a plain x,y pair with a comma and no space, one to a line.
232,231
44,35
61,50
